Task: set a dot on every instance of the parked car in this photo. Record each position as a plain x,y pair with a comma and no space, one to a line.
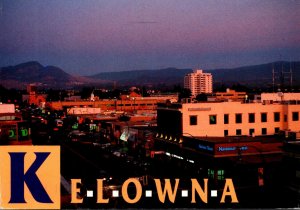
76,135
119,153
59,123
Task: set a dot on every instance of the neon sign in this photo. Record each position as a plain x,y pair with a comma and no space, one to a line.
12,133
225,149
24,132
205,147
75,126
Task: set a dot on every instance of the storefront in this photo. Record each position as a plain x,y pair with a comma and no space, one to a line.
15,131
291,159
246,160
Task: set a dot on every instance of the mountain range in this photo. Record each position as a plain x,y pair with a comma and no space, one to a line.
256,75
46,76
53,77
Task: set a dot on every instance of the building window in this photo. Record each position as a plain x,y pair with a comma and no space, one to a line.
251,118
212,119
285,118
238,118
276,116
211,173
276,130
238,132
264,131
193,120
225,132
295,116
251,131
263,117
226,118
220,174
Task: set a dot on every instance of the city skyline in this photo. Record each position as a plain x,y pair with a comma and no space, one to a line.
89,37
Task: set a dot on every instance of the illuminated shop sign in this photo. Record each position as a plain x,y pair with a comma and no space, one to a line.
23,133
12,134
75,126
130,134
178,157
93,127
205,147
225,149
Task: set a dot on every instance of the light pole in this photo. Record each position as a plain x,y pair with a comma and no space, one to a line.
133,104
191,136
121,102
127,101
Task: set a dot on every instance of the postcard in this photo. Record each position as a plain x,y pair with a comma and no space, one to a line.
124,104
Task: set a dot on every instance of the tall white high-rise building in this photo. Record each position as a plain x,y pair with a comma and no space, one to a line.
198,82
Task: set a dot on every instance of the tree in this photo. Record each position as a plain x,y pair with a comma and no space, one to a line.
56,95
85,92
240,88
144,92
185,93
201,97
220,87
177,89
10,95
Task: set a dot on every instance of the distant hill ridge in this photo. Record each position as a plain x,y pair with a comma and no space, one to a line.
50,76
248,75
33,72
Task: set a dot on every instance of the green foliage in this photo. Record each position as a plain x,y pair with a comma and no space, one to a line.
184,93
201,97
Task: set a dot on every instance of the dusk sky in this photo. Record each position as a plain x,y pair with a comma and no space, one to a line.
86,37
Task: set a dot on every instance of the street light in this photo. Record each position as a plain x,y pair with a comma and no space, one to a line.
127,98
191,136
133,104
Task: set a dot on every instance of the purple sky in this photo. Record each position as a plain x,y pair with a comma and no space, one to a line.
85,37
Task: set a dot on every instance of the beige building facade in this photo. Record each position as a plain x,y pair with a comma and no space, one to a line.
230,95
108,105
280,96
238,119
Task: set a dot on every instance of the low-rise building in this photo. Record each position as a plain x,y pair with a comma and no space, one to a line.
229,95
220,119
13,130
228,139
33,97
280,96
132,105
291,170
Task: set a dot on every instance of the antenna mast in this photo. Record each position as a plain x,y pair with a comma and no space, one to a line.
273,77
291,76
